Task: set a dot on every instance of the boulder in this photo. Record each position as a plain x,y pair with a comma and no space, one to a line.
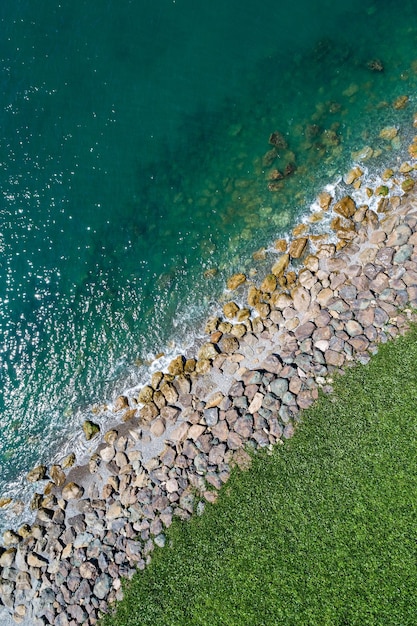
207,351
235,281
230,309
90,429
345,207
57,475
297,247
146,393
176,367
37,473
281,265
269,283
120,403
72,491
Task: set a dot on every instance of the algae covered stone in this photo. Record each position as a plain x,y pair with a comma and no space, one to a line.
90,429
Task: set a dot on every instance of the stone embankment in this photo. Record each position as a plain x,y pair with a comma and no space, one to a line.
176,445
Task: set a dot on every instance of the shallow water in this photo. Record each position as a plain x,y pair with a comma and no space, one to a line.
132,143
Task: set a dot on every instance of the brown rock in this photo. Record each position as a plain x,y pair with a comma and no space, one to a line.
158,427
72,491
203,366
148,412
334,358
37,473
214,400
169,392
278,140
345,207
281,265
324,199
229,345
176,367
254,295
281,245
269,284
400,102
297,247
304,331
120,403
235,281
146,394
230,309
57,475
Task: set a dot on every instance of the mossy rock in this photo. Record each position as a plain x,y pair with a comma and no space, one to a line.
90,429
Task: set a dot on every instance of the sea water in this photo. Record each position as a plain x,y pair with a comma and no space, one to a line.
135,179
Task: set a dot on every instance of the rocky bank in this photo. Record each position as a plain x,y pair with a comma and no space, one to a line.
323,306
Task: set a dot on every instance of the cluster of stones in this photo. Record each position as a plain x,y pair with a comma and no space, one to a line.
258,368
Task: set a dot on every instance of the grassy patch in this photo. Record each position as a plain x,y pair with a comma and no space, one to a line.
323,532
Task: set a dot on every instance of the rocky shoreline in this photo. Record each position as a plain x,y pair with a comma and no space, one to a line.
322,307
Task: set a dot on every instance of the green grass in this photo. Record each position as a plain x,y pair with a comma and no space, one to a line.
322,532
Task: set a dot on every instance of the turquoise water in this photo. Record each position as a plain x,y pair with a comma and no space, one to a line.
132,138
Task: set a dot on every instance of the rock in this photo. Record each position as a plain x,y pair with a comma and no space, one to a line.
146,393
345,207
214,400
8,557
334,358
172,485
10,538
235,281
72,491
399,236
271,364
120,403
57,475
301,298
353,328
256,403
297,247
229,345
207,351
169,392
400,102
403,254
176,367
203,366
90,429
388,133
353,175
281,245
211,416
169,413
324,200
87,570
230,310
68,461
158,427
278,140
304,331
102,586
37,473
195,431
279,387
407,184
36,560
148,412
281,265
269,284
